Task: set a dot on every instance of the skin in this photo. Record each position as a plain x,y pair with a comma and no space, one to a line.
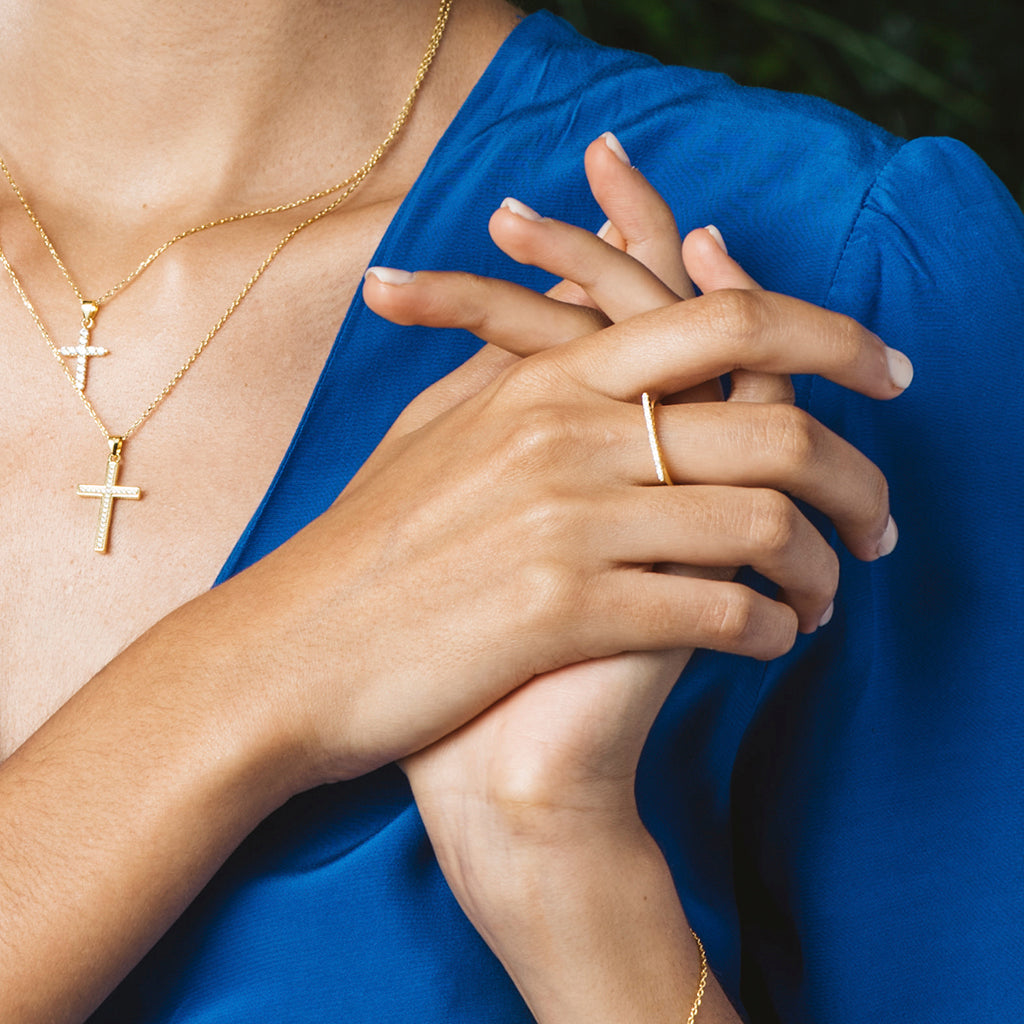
178,718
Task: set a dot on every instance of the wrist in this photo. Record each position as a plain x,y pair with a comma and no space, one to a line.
205,665
592,932
503,863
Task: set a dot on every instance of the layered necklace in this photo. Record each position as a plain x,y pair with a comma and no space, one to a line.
76,373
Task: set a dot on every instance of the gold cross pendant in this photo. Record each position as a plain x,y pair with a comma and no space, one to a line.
83,350
107,492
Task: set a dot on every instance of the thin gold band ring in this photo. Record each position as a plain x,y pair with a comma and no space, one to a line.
660,468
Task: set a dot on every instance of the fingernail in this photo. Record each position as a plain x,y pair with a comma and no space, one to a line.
388,275
901,369
604,229
717,236
827,617
520,209
887,544
616,147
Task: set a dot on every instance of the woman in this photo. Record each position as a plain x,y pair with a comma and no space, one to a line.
440,581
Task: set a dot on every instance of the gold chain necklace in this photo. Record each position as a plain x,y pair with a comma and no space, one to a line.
110,490
84,349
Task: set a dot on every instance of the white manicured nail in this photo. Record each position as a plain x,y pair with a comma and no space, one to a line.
604,229
827,617
389,275
717,236
616,147
901,369
887,544
520,209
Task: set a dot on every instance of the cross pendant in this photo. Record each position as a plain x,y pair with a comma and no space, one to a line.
108,492
83,350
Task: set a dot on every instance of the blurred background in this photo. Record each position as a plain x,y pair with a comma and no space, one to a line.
917,67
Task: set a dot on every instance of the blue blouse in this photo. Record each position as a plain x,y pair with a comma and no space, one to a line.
845,825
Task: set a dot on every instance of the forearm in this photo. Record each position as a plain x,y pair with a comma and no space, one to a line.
115,814
591,931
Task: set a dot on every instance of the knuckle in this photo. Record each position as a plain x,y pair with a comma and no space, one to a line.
537,377
792,436
739,314
847,342
830,572
483,304
473,303
774,522
779,640
728,618
876,495
540,431
449,302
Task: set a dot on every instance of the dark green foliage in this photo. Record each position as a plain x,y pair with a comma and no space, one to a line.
917,67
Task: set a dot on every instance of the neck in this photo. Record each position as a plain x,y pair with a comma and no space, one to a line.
207,105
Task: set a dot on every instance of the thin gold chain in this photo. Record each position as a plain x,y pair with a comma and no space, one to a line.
702,982
346,185
353,182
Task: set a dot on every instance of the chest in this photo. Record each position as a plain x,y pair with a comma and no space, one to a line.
201,462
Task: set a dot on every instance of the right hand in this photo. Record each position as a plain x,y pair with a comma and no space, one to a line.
513,533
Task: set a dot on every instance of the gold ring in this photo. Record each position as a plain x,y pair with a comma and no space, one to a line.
652,436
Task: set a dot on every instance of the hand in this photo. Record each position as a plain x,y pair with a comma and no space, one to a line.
520,320
546,775
566,745
526,514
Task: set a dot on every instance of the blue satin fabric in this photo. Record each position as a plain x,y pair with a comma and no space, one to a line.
844,824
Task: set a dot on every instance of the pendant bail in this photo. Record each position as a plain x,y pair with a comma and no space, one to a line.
115,444
89,311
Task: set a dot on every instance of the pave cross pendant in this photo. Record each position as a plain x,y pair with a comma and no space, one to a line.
83,350
107,492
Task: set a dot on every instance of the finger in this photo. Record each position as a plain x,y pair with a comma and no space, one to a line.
514,318
748,386
640,216
569,291
763,446
707,259
736,526
656,611
654,240
676,347
611,235
620,285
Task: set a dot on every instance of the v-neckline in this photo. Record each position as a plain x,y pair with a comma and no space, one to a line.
489,84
